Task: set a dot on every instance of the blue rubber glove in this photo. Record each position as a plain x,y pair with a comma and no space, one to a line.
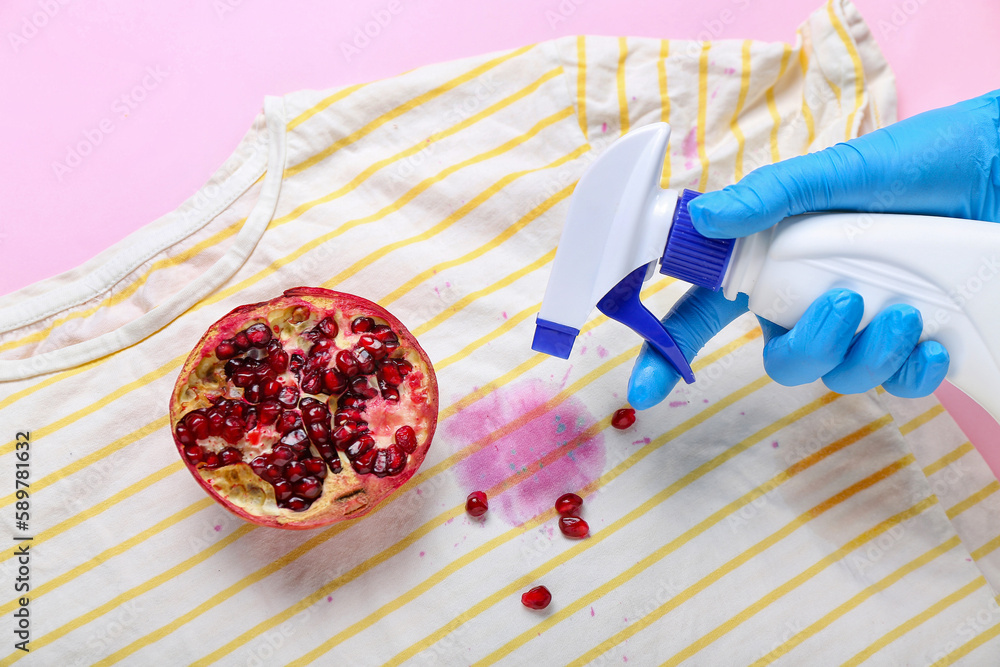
943,162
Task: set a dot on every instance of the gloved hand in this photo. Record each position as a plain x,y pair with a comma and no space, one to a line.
943,162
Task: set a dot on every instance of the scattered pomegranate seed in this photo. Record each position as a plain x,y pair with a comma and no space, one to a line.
573,526
568,504
537,598
477,504
623,418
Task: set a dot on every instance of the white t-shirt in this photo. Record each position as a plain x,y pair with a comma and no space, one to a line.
740,522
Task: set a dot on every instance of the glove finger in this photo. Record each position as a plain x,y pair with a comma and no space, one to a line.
693,321
836,177
877,352
818,341
922,373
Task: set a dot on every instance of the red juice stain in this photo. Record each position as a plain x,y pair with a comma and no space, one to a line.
525,434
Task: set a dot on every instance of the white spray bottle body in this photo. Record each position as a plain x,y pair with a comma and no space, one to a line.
947,268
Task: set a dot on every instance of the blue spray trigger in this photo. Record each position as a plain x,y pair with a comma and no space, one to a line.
622,304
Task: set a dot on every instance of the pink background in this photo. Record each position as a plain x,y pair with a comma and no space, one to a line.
164,91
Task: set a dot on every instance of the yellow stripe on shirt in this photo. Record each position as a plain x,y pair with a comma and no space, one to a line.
859,70
734,123
623,120
703,114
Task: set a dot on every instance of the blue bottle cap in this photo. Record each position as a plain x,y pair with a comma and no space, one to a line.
691,257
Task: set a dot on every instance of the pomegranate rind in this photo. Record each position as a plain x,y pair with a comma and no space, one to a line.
346,495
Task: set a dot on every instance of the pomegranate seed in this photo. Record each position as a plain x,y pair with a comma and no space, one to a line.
308,488
383,332
347,414
476,504
390,394
381,466
193,453
278,361
226,350
406,438
328,326
347,364
312,383
269,411
373,346
321,345
623,418
326,450
271,473
258,464
573,526
362,324
251,417
241,341
363,464
295,471
390,374
216,420
244,377
360,446
537,598
391,345
333,382
288,397
318,432
295,363
312,410
360,386
335,465
270,388
229,456
232,430
315,467
395,460
366,362
198,424
236,409
349,400
344,434
292,440
232,366
253,393
296,504
282,490
288,421
211,460
259,334
282,454
403,365
184,434
568,503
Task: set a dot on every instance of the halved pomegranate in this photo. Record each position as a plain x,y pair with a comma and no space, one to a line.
304,410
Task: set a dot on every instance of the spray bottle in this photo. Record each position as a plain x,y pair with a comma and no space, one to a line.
621,224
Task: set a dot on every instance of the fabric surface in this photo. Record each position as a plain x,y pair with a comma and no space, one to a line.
741,522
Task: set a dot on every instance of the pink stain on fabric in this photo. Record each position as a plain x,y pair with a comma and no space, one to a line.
690,145
521,445
604,127
678,404
601,352
591,612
